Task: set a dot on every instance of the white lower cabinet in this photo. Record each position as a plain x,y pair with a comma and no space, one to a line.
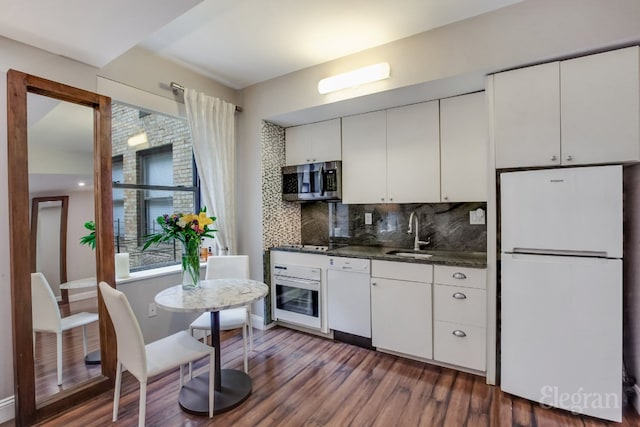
401,316
459,312
457,344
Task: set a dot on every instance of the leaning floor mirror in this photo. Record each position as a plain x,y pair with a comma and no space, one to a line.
59,137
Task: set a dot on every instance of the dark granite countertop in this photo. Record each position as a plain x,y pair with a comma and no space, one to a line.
438,257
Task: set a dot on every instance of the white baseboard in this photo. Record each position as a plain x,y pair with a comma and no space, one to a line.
636,398
7,409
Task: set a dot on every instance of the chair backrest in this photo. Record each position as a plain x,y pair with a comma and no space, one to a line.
131,351
45,313
227,266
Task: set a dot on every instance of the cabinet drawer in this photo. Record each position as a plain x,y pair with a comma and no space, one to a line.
460,305
402,271
460,276
468,349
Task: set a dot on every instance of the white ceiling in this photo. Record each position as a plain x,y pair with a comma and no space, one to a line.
237,42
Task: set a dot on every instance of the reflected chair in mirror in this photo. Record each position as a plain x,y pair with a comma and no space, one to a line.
225,267
145,361
46,317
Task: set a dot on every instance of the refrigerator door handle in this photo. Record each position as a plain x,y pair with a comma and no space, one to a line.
557,252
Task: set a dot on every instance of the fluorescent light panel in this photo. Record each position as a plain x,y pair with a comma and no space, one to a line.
353,78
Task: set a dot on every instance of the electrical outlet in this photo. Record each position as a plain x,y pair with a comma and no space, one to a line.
477,216
153,309
368,218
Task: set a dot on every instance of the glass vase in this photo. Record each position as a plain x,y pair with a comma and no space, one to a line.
190,264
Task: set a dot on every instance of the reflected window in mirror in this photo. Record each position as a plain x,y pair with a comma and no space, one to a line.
153,174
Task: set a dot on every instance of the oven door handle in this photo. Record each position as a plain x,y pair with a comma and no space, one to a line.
310,285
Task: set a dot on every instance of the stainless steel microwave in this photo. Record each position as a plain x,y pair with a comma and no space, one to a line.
312,181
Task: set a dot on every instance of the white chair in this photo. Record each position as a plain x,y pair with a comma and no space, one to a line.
144,361
45,315
222,267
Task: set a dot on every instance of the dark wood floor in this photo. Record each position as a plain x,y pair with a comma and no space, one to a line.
302,380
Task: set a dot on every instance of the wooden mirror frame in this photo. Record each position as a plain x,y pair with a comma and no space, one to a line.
18,85
33,235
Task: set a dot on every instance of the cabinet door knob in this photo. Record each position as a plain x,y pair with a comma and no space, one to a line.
569,158
458,333
313,160
459,295
373,283
308,160
382,199
446,198
391,199
459,276
554,158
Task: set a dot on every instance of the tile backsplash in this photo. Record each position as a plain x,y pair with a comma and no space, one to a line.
446,225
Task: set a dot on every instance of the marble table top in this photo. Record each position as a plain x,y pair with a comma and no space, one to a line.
212,295
87,282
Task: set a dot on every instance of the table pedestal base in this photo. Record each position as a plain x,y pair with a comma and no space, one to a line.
194,395
92,358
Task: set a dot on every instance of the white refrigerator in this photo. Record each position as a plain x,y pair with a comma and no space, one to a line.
561,288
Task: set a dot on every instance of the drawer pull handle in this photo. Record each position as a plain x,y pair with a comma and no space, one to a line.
458,333
459,276
459,295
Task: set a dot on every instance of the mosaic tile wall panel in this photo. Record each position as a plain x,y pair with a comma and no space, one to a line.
280,220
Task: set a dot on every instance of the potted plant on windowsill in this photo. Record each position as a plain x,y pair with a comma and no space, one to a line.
188,229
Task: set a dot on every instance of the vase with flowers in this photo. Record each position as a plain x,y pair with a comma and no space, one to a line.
188,229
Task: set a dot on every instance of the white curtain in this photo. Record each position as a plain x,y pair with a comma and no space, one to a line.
212,123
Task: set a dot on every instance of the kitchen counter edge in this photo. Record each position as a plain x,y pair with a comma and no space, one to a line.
450,258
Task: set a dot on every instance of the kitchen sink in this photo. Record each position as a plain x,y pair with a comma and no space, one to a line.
410,254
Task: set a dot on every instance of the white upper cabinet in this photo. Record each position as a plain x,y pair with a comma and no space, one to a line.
600,107
527,116
413,153
312,143
392,156
575,112
364,158
463,148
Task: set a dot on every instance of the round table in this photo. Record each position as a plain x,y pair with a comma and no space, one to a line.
232,387
92,358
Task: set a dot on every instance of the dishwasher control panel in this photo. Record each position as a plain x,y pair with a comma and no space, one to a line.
356,265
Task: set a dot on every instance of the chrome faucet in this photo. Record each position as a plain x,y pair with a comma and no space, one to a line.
416,242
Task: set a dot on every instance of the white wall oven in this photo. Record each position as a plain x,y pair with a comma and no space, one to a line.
297,295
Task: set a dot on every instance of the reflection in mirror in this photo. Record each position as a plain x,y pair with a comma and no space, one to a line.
60,158
49,241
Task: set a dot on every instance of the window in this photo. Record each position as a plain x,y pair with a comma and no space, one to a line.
153,174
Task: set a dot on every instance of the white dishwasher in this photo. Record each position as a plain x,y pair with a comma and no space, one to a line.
349,295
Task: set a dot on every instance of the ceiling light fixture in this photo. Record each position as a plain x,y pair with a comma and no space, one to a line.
137,139
81,184
353,78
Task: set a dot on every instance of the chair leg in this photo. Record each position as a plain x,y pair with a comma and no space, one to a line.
34,344
182,374
250,325
84,340
190,363
244,343
59,356
143,403
116,393
212,375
